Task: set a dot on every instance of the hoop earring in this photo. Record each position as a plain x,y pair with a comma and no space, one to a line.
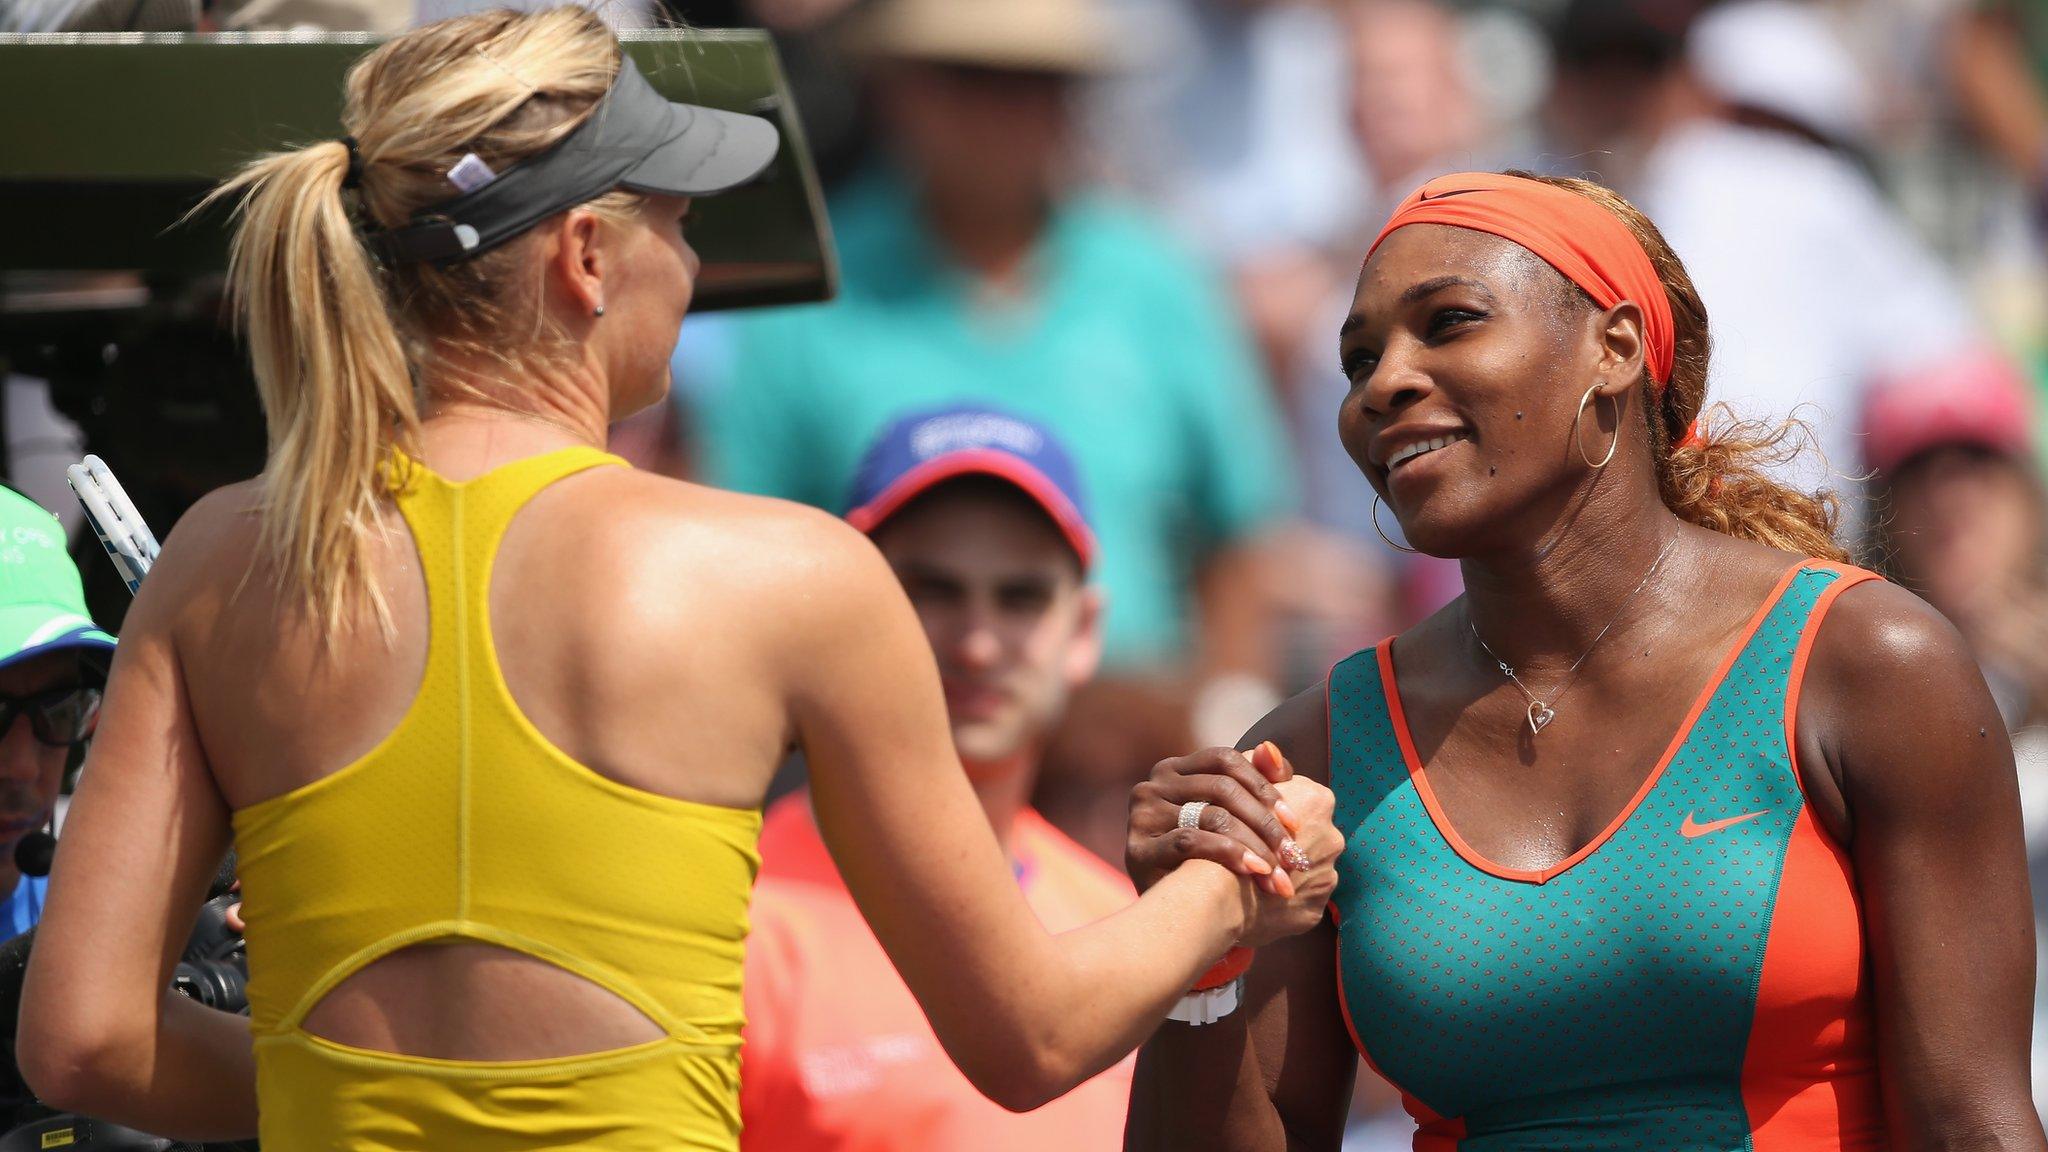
1580,444
1383,532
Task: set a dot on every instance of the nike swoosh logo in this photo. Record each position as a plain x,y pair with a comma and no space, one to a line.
1693,830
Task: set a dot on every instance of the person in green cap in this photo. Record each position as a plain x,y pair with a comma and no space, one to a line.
53,663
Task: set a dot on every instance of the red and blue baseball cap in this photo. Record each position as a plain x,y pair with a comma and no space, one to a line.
925,449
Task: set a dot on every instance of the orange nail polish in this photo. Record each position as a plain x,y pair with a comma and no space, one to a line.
1279,760
1255,863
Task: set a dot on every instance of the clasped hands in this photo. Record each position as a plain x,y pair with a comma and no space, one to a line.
1261,822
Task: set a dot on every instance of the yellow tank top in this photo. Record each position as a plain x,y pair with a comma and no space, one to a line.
466,824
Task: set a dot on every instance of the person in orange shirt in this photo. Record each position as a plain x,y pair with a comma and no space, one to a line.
981,517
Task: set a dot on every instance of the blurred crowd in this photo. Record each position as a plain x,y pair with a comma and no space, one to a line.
1138,222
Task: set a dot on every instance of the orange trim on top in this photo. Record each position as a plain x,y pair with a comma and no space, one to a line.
1850,578
1422,1114
1444,827
1809,1072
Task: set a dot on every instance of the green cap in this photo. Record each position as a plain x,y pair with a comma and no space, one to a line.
42,601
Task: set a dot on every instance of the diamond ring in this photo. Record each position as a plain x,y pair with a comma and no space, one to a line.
1191,813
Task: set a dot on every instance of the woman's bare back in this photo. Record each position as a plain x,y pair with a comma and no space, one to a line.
636,623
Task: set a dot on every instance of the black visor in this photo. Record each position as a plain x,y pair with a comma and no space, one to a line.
635,140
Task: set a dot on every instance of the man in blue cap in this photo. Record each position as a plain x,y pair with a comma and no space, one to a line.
53,663
980,515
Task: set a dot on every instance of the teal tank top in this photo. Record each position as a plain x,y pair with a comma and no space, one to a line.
1692,979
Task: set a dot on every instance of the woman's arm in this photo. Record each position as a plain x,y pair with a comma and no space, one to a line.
1276,1075
101,1034
1901,716
1026,1015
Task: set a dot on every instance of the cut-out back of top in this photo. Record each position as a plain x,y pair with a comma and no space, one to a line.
466,823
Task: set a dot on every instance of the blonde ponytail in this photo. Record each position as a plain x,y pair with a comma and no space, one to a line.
1716,473
330,370
337,341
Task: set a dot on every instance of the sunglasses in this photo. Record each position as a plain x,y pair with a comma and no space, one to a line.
59,717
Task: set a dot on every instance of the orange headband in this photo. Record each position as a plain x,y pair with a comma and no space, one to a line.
1576,236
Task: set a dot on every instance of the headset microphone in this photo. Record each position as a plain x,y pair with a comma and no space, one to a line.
33,852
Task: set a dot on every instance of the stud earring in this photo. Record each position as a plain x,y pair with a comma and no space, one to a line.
598,311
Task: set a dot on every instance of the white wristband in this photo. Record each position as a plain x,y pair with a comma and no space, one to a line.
1207,1007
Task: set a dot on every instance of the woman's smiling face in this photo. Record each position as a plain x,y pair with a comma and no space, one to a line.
1467,356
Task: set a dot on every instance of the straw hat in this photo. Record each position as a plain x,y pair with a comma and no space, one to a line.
1026,35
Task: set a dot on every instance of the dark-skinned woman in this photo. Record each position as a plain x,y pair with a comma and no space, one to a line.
1674,832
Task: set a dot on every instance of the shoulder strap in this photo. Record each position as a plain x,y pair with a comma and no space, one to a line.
1843,578
456,527
1363,746
490,501
1847,576
478,510
1831,580
1763,657
484,508
1815,589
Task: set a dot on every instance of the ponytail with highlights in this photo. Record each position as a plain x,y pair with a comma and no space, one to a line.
337,341
330,370
1716,472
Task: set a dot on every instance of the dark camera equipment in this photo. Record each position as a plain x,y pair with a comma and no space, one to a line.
213,969
151,123
109,297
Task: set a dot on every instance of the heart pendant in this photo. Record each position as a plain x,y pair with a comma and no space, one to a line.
1540,714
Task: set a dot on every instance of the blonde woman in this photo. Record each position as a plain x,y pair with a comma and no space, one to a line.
489,716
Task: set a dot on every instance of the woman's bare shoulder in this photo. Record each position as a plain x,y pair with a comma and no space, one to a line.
787,565
1895,702
1300,728
742,535
210,547
229,516
1881,644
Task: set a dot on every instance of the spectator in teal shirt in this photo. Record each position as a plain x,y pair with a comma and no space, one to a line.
969,274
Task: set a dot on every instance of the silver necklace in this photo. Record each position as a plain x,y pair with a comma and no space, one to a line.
1540,711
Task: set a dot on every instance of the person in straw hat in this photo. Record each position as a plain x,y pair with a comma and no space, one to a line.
975,271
